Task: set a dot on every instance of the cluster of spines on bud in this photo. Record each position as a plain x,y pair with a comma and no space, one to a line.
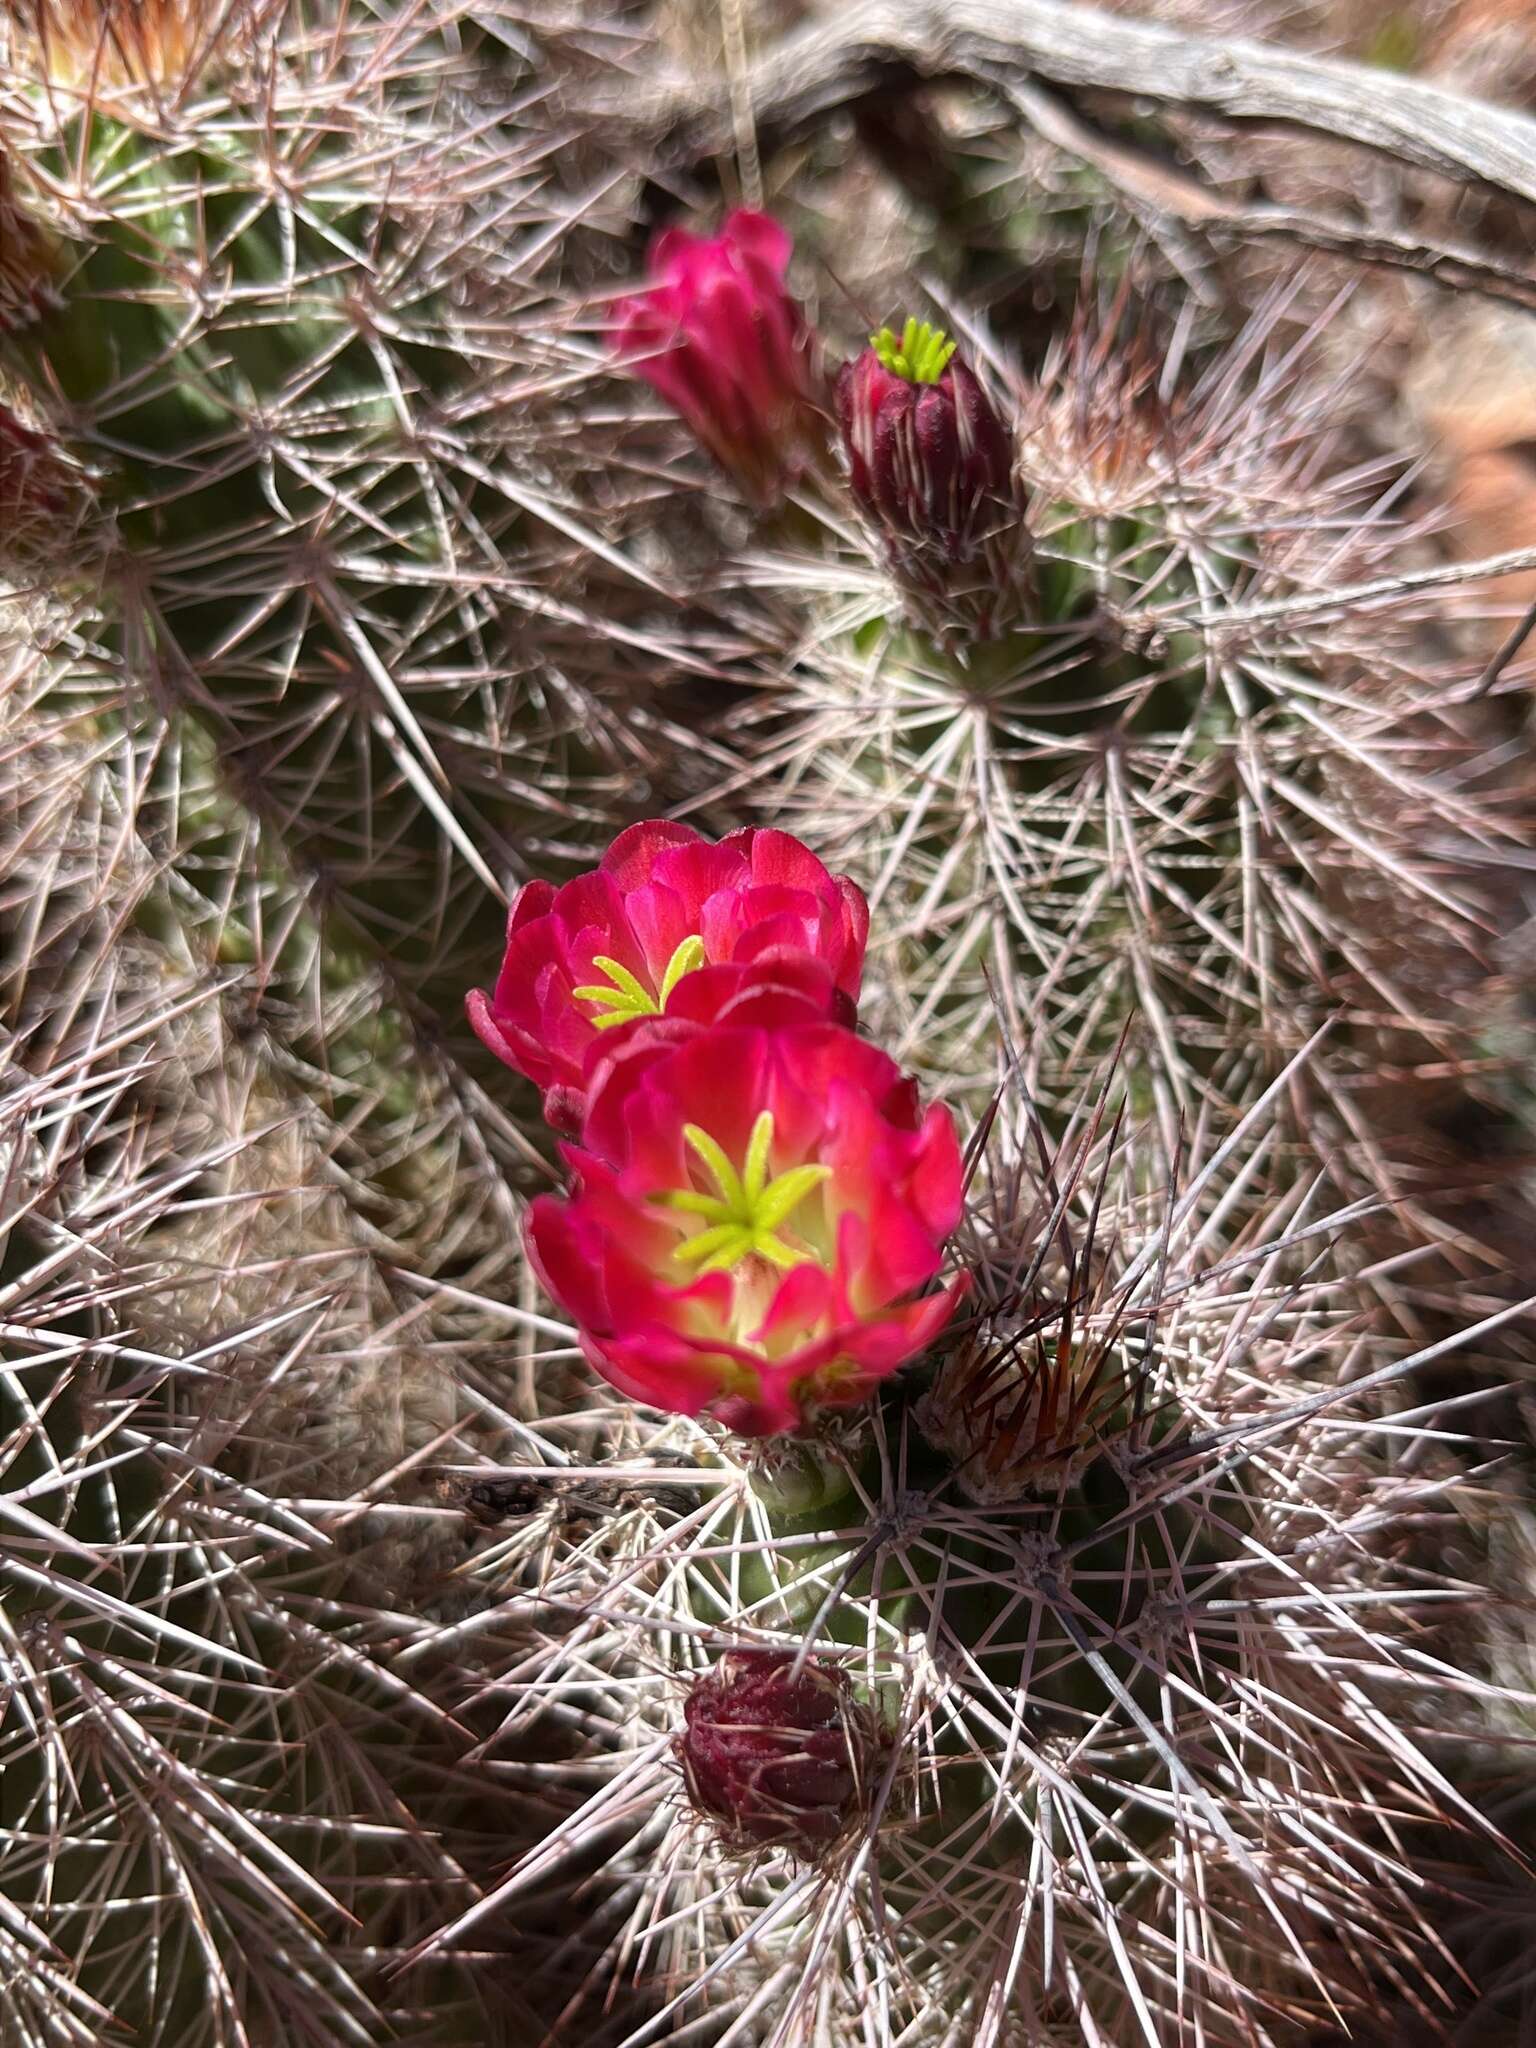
927,457
761,1204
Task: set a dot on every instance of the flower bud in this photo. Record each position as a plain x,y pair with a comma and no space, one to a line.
927,453
719,337
930,463
784,1760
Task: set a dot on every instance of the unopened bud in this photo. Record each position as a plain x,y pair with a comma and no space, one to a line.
930,463
783,1758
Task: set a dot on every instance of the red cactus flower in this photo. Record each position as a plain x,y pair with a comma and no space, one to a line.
928,457
758,1207
783,1760
719,337
669,923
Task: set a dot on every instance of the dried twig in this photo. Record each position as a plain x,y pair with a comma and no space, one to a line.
1173,191
872,45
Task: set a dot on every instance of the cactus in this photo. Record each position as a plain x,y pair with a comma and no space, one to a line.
1065,1658
1128,1776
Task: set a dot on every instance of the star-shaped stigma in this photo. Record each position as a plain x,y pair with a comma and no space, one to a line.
628,997
920,353
746,1214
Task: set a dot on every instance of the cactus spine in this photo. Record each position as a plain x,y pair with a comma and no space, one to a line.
353,585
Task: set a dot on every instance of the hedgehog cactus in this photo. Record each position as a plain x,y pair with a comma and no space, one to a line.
1085,1565
989,880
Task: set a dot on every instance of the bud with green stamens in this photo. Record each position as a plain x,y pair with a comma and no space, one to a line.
928,455
930,462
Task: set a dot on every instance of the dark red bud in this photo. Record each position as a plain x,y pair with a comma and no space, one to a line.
784,1760
927,460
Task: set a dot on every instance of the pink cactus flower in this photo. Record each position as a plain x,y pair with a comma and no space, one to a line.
670,924
758,1211
719,337
928,456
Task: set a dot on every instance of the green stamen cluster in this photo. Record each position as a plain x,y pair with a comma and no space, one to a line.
745,1216
628,997
921,355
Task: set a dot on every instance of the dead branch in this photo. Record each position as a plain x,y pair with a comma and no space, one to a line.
1176,193
873,46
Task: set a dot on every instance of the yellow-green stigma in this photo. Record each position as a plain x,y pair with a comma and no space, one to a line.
744,1217
920,354
624,997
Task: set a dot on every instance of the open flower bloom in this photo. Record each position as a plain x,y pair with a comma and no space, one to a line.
928,456
719,337
668,924
758,1209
